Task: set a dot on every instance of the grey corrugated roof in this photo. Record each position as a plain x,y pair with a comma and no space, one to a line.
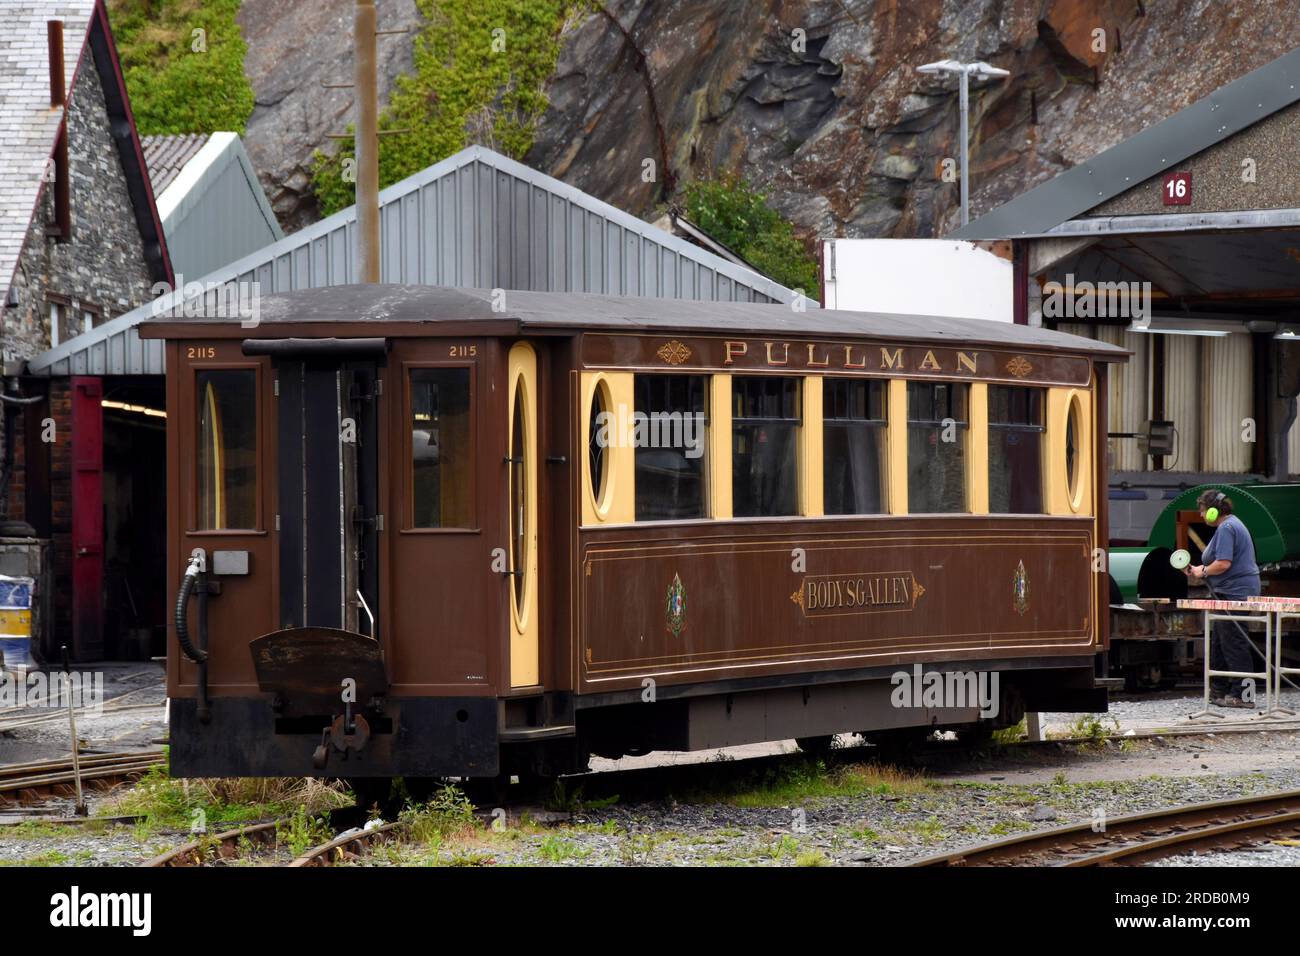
28,124
1157,149
553,311
166,156
475,219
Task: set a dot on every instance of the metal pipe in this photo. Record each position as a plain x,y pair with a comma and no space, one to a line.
367,142
965,146
59,100
54,37
204,710
194,577
72,728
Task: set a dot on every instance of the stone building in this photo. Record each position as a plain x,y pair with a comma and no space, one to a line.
81,242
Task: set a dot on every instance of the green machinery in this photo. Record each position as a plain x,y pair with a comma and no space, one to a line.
1271,512
1151,641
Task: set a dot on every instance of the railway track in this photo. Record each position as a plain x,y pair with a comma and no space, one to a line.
231,845
1141,837
25,784
220,847
346,845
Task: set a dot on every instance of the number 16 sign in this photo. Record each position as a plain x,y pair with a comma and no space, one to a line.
1177,189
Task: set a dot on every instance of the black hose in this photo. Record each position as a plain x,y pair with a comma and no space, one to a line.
182,624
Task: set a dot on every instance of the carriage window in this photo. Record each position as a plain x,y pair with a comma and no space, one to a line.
227,452
1015,450
936,447
597,442
519,530
853,459
442,482
764,471
1072,429
670,453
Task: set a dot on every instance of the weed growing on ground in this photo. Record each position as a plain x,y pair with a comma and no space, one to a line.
303,831
169,804
448,814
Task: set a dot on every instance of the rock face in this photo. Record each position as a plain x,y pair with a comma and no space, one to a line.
816,101
293,49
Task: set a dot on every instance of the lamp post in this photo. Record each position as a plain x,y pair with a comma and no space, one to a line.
964,71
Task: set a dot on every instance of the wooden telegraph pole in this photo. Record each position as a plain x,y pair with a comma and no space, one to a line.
367,142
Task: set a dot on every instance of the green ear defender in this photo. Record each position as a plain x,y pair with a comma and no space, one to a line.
1212,512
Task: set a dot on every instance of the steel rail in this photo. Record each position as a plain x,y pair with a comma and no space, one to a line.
220,846
1135,837
27,783
346,843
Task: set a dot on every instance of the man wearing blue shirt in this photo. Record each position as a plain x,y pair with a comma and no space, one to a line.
1231,570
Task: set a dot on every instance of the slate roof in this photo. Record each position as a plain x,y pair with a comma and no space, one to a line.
28,124
166,156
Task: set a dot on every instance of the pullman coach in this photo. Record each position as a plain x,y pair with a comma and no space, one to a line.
423,532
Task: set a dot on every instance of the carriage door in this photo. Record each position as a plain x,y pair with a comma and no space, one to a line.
328,492
521,490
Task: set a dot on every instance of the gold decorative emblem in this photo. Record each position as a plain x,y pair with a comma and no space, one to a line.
675,607
1020,588
797,597
1019,366
674,353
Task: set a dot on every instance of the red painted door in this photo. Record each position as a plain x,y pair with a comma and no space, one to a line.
87,519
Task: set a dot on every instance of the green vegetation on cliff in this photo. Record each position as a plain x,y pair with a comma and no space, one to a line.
184,64
738,216
479,75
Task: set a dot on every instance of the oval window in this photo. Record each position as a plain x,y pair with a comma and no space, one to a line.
518,499
1073,429
597,445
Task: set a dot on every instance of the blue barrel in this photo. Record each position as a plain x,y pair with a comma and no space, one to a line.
16,621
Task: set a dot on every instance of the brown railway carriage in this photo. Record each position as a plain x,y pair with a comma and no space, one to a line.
517,528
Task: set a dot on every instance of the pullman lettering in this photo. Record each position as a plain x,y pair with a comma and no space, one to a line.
828,355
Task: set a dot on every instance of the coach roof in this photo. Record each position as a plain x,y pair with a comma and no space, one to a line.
373,309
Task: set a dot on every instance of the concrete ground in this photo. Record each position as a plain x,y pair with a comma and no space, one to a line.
131,716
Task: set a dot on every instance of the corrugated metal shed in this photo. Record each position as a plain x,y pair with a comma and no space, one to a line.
212,205
476,219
